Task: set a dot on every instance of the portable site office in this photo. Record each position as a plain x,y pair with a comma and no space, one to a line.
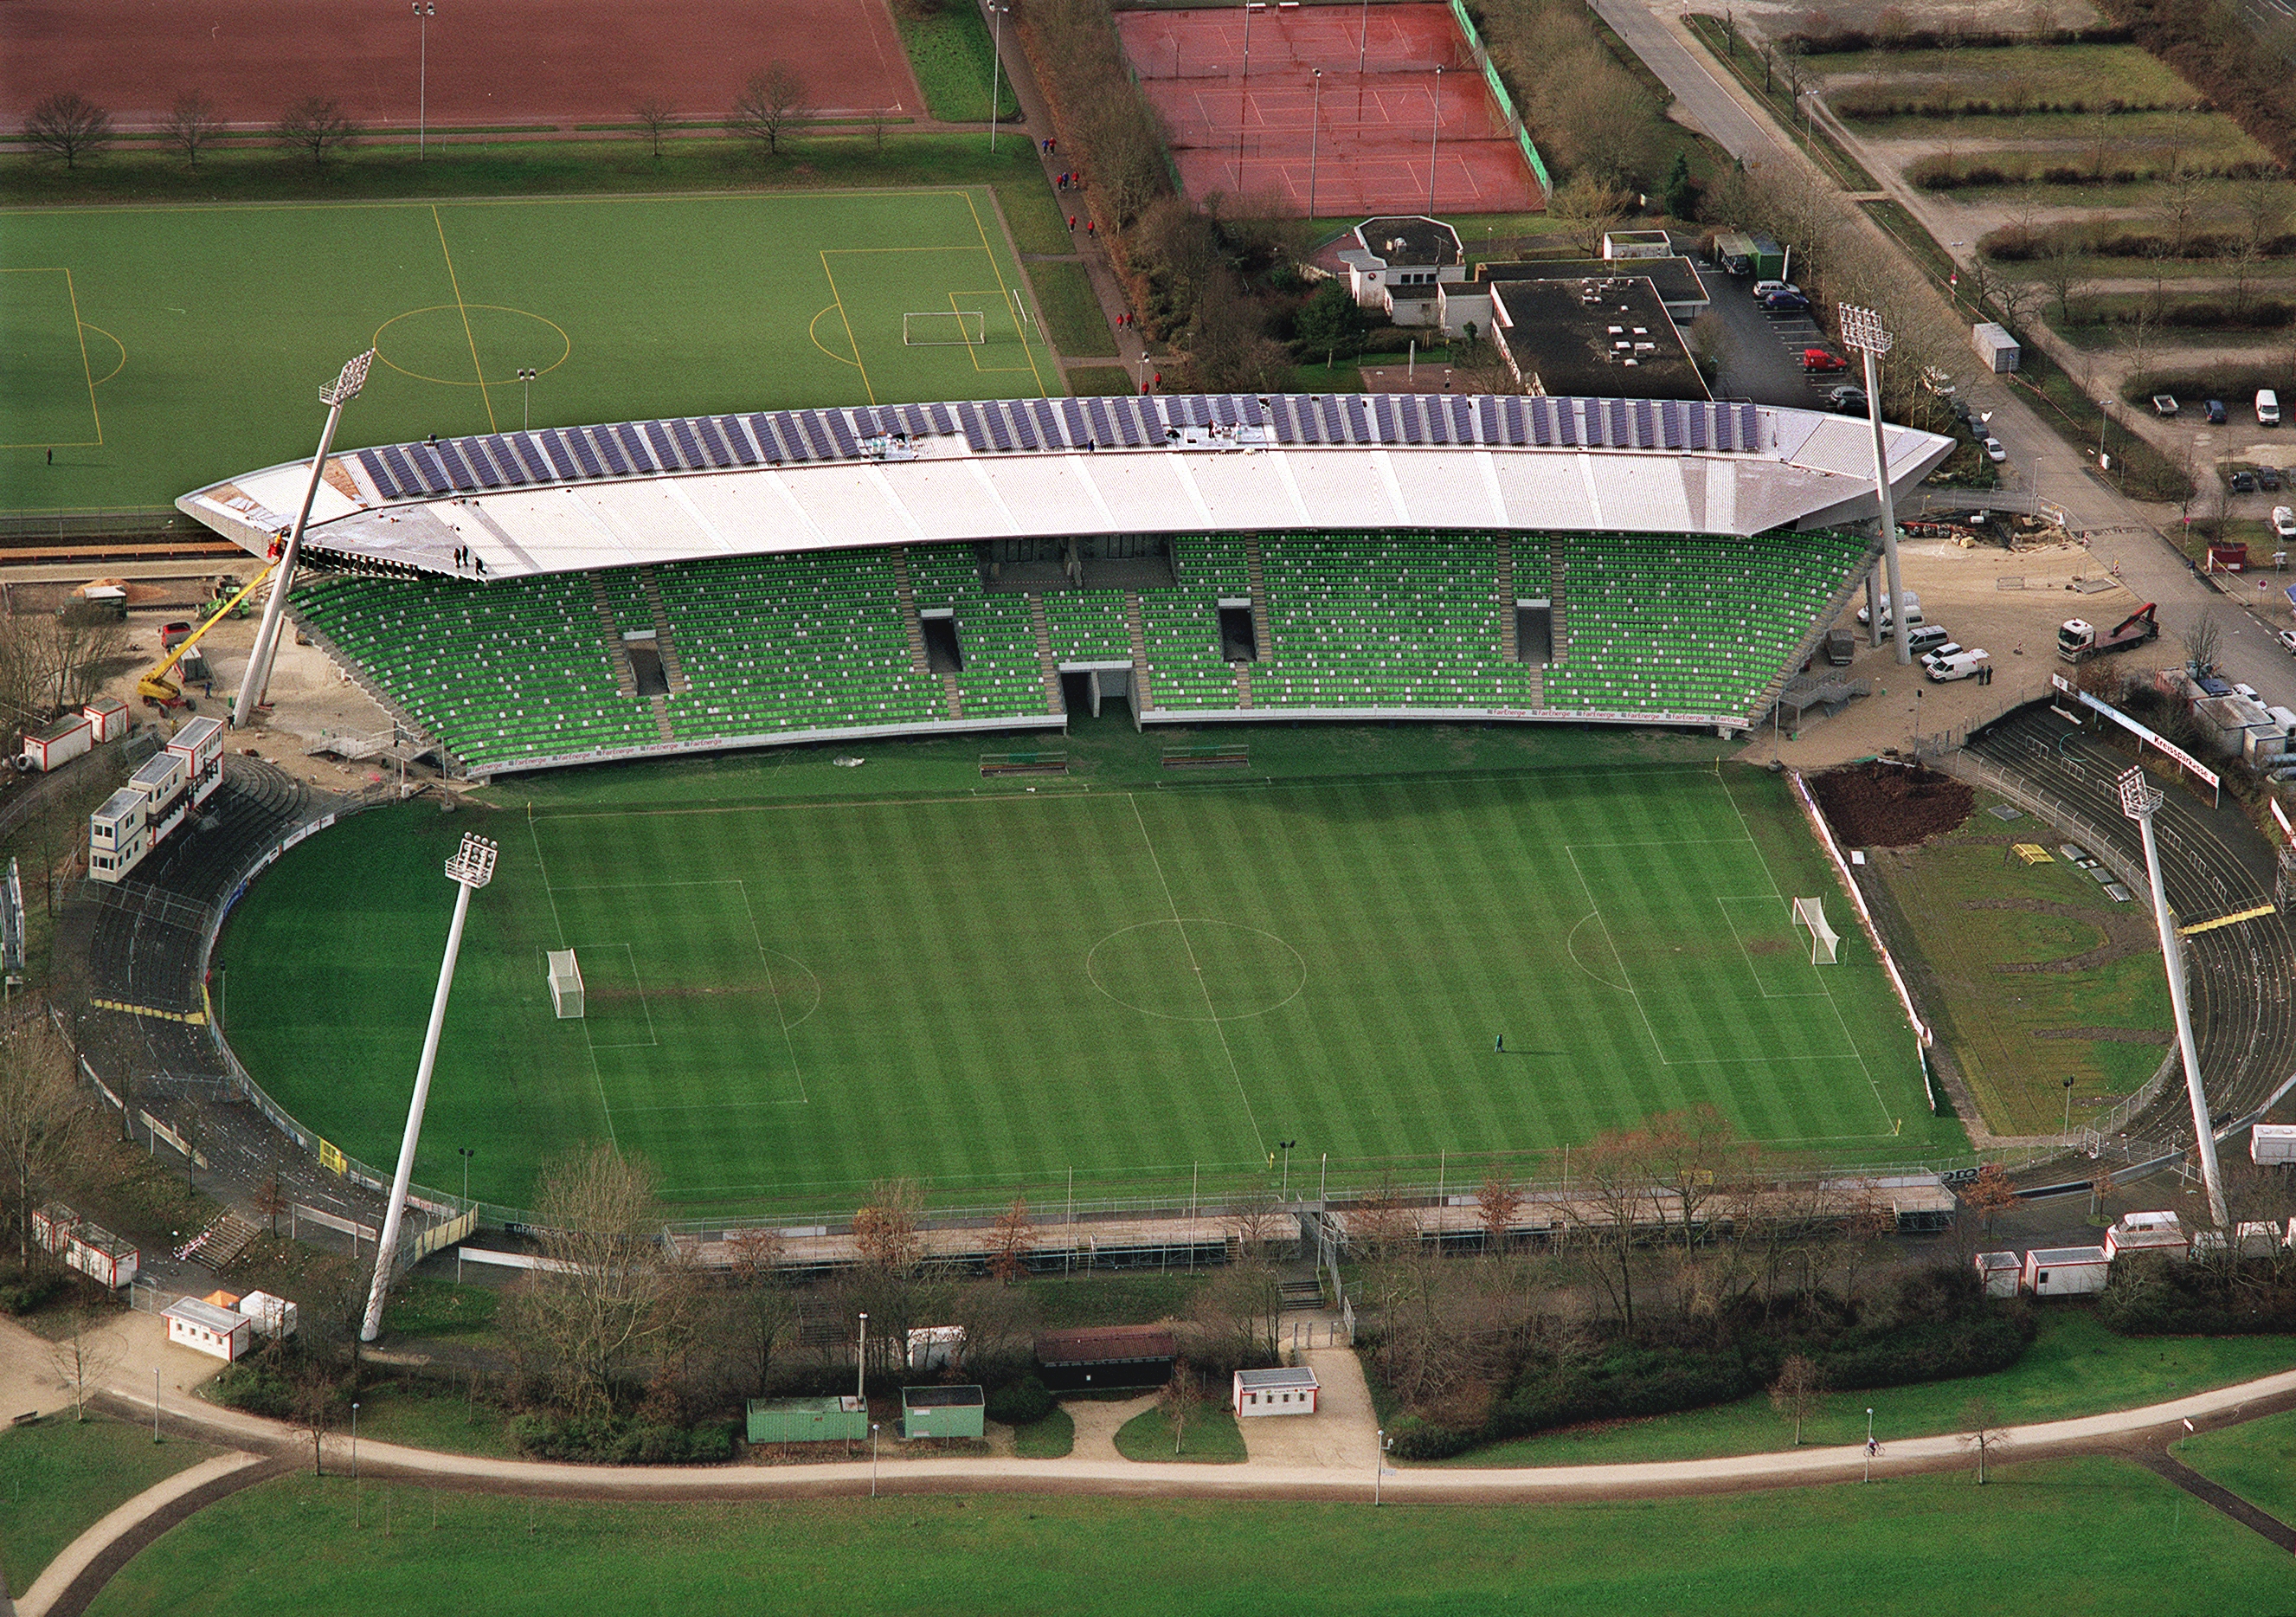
807,1420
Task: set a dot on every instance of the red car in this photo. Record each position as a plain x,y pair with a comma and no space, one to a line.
1823,359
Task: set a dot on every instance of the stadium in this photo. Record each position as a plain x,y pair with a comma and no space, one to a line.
1062,946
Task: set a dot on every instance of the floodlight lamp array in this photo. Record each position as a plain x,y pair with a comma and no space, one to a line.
474,863
2139,798
346,387
1862,329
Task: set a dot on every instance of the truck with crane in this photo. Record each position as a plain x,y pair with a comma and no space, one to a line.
2079,640
156,689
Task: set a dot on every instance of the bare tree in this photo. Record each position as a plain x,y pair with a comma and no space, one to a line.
2060,273
654,116
83,1359
888,1232
72,646
1379,1225
1010,1239
193,124
1610,1200
1989,1194
772,101
313,1404
1983,1421
1499,1201
2182,196
1257,1221
1239,1310
270,1200
1799,1391
2263,208
1587,206
39,1114
1180,1401
68,125
2203,640
318,125
611,1292
760,1311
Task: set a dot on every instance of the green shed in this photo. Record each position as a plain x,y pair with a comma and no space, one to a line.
943,1412
807,1420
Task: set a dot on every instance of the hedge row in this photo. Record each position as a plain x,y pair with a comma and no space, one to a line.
2209,45
2193,314
1837,41
2010,244
616,1440
1852,105
1943,173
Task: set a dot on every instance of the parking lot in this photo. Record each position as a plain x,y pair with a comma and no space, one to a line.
1761,352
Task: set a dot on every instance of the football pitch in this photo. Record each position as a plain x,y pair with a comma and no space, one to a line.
150,350
991,991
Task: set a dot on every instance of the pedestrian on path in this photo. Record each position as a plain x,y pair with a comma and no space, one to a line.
1072,224
1498,1045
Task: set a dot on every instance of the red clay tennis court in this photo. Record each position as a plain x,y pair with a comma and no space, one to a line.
490,62
1399,95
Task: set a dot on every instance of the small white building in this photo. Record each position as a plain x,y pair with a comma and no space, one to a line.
1397,266
2272,1143
1281,1392
2147,1232
2000,1272
102,1256
219,1332
2065,1271
270,1316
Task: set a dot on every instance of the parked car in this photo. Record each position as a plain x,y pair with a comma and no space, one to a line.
2249,690
1823,359
2287,638
1994,451
1785,303
1937,382
174,635
2268,478
1927,639
2243,482
1763,288
1961,665
2284,521
1943,654
2215,411
1910,599
1846,401
2164,404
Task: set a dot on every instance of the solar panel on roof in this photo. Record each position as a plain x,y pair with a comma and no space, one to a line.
1079,432
475,454
713,441
1542,421
1701,415
1566,422
610,450
560,460
1127,416
818,436
428,467
941,420
1049,425
1355,416
633,443
976,435
1511,409
1463,419
687,447
531,456
1253,416
384,484
866,422
505,462
1222,409
584,453
1382,411
1000,428
1645,433
1750,428
841,433
1669,424
744,450
763,427
664,453
1620,432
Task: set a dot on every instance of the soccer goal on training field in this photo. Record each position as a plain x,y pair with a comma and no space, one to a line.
565,985
1823,943
944,328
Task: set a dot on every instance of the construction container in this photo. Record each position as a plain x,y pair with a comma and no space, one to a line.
1995,346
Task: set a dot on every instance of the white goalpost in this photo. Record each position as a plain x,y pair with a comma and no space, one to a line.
1823,943
944,328
565,984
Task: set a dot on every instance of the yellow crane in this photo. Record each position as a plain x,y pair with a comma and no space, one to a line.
158,691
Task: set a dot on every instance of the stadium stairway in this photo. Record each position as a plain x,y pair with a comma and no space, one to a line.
1047,664
1141,686
1558,595
625,681
1505,597
1263,639
906,594
1837,604
665,642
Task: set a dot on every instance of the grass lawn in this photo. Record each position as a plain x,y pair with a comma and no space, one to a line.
423,1307
58,1478
1049,1439
987,990
1106,379
1072,313
2074,1368
2256,1461
2052,74
1064,1302
629,306
1212,1436
1981,918
2098,1537
420,1414
950,50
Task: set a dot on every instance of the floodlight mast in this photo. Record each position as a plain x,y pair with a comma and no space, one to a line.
257,677
2139,800
472,867
1862,329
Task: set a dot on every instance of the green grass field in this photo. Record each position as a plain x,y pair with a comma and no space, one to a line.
59,1478
2094,1536
985,990
2256,1461
154,350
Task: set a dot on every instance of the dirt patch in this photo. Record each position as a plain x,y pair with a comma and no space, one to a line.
1883,805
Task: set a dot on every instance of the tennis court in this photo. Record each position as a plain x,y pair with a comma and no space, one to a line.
1329,110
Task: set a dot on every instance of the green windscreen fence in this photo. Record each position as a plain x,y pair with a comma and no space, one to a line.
1505,103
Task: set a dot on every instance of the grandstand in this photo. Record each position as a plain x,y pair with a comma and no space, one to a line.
737,581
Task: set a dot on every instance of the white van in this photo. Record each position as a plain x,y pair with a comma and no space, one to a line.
1961,665
2267,407
1927,639
2284,521
1913,604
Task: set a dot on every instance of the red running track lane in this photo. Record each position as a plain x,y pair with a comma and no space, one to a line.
491,62
1362,140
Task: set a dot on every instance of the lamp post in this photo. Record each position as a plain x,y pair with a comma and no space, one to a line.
1244,98
1862,329
526,375
1434,137
2140,799
467,1154
1362,41
996,61
873,1453
1379,1464
860,1360
1314,137
472,867
424,10
1869,1445
1285,1147
2068,1105
155,1406
354,1440
335,395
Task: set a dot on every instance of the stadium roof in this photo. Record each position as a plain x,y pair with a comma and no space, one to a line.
566,499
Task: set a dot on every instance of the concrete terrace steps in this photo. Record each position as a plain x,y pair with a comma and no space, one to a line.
1045,662
665,642
906,593
1505,597
1135,626
1558,613
625,681
1260,634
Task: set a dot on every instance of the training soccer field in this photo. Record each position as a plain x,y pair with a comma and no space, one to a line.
156,349
988,990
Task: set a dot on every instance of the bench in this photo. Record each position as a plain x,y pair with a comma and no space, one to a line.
1234,756
1024,763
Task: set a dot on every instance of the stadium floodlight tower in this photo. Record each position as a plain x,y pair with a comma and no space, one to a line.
335,395
472,867
1862,329
2139,799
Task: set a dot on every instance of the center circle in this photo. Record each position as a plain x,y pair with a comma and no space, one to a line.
1196,970
440,344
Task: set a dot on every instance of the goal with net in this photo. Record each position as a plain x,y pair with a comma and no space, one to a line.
944,328
565,985
1823,943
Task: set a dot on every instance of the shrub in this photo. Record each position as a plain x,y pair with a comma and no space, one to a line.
619,1441
29,1291
2153,1297
1021,1403
256,1388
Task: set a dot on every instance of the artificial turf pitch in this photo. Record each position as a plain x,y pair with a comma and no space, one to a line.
152,350
988,990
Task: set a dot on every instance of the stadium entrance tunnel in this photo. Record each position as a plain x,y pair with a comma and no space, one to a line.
943,654
1534,631
645,665
1239,640
1085,686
